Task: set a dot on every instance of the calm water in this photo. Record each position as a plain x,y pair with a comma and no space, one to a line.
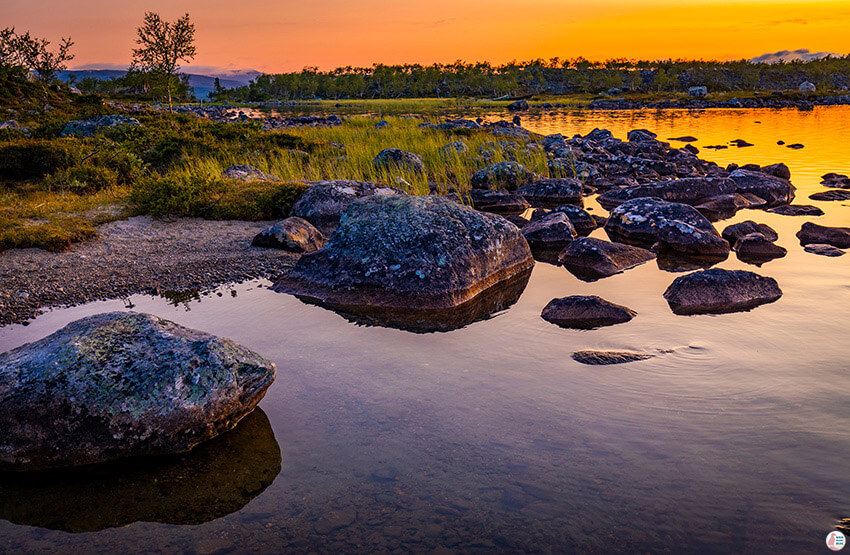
736,437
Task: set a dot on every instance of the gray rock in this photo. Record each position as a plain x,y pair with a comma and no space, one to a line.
394,158
718,291
774,190
453,148
837,194
552,192
814,233
585,312
498,202
405,252
504,175
640,135
796,210
690,190
246,172
552,232
725,206
90,127
823,249
293,234
590,258
324,203
598,358
122,384
735,231
518,106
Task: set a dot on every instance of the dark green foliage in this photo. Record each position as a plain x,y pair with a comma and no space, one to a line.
85,179
33,159
216,199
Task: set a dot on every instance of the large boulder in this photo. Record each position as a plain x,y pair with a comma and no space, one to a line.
590,258
498,202
552,192
504,175
247,172
736,231
814,233
588,312
324,203
774,190
681,228
91,127
690,190
552,232
395,158
718,291
122,384
293,234
406,252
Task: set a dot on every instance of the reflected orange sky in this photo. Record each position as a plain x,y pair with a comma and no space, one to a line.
276,36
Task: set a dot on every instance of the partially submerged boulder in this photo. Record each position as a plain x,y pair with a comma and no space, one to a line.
589,258
814,233
600,358
122,384
796,210
718,291
293,234
755,247
582,220
774,190
395,158
552,192
823,249
324,203
406,252
736,231
585,312
247,172
504,175
552,232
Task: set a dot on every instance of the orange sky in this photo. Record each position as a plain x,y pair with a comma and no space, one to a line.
286,35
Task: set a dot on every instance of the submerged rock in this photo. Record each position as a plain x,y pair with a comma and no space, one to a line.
814,233
324,203
774,190
504,175
552,192
122,384
588,312
247,172
293,234
736,231
834,195
718,291
796,210
406,252
755,247
590,259
598,358
823,249
395,158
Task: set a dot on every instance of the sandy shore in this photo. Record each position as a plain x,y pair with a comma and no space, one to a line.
138,255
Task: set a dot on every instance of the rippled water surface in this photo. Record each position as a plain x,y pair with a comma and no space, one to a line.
734,437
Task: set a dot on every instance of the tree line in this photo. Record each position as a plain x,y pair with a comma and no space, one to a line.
554,76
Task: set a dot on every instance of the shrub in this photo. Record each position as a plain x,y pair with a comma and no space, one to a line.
34,159
83,179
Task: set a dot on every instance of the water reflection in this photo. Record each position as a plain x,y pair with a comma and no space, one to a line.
495,299
217,478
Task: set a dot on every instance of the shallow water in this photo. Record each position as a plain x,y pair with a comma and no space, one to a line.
735,437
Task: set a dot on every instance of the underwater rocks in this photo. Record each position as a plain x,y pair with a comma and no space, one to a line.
293,234
585,312
324,203
407,252
718,291
122,384
589,258
823,250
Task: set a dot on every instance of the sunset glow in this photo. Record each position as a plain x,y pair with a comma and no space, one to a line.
286,36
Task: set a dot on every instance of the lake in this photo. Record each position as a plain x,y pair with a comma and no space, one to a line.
734,437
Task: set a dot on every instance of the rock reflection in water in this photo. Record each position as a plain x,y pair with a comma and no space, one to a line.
495,299
678,263
217,478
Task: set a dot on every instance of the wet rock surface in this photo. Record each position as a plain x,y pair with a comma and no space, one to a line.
718,291
582,221
774,190
497,202
736,231
755,247
836,195
324,203
122,384
814,233
292,234
420,253
603,358
552,232
589,258
690,190
823,249
585,312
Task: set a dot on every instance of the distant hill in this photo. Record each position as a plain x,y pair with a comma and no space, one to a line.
202,83
801,55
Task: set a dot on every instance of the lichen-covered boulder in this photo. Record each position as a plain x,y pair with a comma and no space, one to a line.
293,234
718,291
90,127
589,258
504,175
690,190
324,203
247,172
395,158
422,253
122,384
774,190
585,312
552,192
582,221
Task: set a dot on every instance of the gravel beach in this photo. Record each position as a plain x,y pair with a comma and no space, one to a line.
137,255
